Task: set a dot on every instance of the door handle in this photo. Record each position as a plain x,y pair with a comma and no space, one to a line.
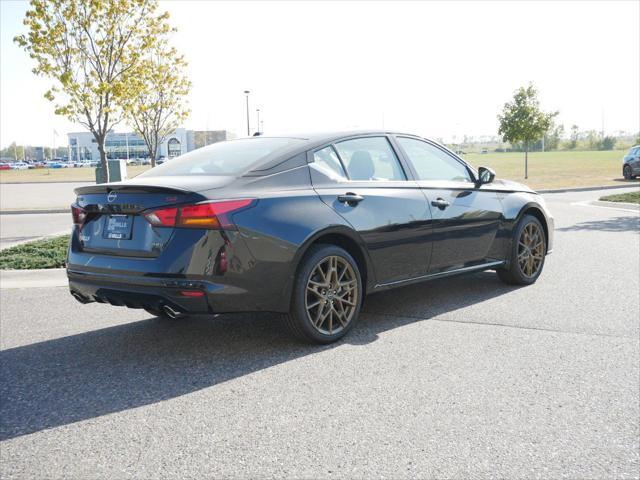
441,203
350,198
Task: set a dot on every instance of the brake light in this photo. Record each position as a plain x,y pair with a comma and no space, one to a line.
78,213
212,215
192,293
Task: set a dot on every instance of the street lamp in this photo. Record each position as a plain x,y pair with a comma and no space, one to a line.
246,93
258,122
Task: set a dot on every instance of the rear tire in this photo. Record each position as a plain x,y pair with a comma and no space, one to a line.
528,252
327,295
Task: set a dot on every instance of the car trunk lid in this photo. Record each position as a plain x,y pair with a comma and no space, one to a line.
114,223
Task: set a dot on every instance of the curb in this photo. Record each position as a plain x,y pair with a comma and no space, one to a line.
43,278
31,212
588,189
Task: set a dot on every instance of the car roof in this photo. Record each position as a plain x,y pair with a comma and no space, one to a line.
311,141
328,136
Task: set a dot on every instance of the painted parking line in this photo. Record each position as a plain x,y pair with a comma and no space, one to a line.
589,203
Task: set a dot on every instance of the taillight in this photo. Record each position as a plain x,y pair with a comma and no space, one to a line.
212,215
79,214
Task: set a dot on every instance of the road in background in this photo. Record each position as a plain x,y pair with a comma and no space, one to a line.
15,229
38,196
455,378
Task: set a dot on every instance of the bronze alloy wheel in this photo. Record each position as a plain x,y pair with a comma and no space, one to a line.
331,295
530,250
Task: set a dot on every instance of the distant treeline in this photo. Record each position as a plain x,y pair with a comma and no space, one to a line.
555,139
29,152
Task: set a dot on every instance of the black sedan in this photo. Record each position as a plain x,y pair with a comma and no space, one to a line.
303,225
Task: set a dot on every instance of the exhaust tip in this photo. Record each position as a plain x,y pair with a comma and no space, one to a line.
170,312
81,298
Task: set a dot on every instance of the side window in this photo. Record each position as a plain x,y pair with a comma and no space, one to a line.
327,161
431,163
370,158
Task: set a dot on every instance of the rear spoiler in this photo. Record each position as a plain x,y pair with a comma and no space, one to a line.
129,188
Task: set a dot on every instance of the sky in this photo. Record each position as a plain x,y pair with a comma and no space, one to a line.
437,69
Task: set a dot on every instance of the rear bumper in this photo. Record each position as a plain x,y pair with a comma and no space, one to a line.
156,292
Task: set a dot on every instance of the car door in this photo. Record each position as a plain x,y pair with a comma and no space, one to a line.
635,160
362,179
466,218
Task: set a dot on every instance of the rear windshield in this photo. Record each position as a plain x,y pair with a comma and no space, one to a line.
222,158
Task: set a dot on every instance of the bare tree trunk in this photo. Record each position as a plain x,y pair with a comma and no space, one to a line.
103,160
526,160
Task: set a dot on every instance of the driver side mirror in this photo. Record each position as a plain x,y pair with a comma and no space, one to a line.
485,175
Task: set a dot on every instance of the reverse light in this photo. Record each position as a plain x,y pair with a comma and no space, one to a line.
78,213
211,215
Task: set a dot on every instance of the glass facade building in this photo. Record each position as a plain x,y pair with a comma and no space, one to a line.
129,145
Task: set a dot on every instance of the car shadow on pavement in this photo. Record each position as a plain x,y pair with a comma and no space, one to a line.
618,224
79,377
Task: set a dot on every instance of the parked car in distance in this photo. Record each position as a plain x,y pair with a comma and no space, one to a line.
302,225
5,166
631,163
20,166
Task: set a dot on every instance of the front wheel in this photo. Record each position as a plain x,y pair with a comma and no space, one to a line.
326,297
528,250
627,173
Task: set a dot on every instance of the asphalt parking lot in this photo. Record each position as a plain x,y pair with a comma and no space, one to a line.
457,378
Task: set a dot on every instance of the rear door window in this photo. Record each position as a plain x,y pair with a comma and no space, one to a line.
370,159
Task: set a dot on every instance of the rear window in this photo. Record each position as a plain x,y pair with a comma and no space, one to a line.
222,158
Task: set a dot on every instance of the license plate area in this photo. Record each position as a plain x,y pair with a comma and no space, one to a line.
118,227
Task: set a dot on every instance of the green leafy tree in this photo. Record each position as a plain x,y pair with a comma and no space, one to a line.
522,120
91,49
160,106
573,138
553,136
607,143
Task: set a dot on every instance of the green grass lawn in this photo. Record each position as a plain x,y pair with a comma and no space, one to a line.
556,169
561,169
47,253
631,197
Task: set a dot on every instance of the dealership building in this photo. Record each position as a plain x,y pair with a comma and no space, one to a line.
128,145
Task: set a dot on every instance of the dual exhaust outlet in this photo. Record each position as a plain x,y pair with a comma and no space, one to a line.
165,309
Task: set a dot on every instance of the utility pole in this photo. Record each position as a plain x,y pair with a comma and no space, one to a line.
258,121
246,93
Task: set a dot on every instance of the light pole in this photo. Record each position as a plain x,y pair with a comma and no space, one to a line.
258,122
246,93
